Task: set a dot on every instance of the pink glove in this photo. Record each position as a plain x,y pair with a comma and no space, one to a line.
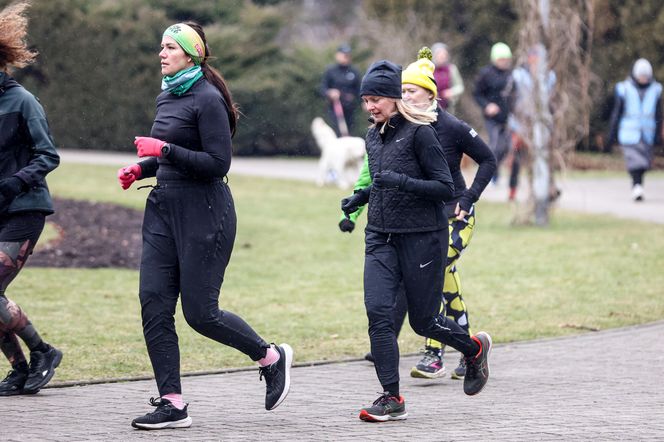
127,175
148,147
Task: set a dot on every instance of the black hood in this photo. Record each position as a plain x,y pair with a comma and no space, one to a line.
6,82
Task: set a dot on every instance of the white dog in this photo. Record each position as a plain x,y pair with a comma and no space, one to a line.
341,157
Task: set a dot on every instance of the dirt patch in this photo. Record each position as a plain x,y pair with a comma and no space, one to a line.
91,235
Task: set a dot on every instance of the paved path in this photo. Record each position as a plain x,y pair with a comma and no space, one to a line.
597,386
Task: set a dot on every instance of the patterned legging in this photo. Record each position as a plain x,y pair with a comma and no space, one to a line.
460,234
13,322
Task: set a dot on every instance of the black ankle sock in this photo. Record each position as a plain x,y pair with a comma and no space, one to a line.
42,347
392,389
21,366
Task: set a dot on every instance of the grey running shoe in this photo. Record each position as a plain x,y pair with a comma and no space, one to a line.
42,368
13,383
431,366
385,408
477,367
277,377
165,416
460,371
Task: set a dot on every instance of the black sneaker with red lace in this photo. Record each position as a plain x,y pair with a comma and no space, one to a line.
477,367
385,408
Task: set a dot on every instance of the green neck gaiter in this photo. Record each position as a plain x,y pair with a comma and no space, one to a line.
180,83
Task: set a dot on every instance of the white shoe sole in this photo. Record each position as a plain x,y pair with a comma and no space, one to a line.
182,423
288,352
371,418
415,373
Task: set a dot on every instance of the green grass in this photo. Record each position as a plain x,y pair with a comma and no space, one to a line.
294,277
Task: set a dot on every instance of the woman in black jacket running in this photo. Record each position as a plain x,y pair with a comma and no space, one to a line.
406,237
27,155
189,225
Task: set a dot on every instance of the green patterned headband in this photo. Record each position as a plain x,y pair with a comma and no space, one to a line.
189,40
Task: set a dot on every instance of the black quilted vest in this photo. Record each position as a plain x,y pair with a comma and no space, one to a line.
392,210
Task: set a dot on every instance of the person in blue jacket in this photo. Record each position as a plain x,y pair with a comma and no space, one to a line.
636,122
27,155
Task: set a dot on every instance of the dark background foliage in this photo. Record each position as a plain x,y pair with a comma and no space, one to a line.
98,71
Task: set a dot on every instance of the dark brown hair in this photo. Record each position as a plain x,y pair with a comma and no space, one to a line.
215,78
13,48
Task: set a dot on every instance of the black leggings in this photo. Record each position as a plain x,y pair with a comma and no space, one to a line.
188,235
415,260
18,235
637,176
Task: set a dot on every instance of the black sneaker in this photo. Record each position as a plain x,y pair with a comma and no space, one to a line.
42,368
165,416
369,357
431,366
277,377
477,367
385,408
460,371
13,383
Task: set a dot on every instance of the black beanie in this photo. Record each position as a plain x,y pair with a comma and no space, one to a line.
383,79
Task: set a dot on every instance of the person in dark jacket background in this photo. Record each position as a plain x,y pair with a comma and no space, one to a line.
189,225
636,122
494,93
27,155
341,86
406,237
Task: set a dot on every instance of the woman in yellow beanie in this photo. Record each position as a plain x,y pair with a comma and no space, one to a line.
457,138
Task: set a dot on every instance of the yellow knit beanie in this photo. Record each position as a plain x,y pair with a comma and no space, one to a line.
420,72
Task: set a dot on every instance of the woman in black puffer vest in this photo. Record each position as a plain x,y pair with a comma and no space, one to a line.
406,237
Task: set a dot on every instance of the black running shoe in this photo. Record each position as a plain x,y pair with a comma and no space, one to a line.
369,357
165,416
13,383
460,371
42,368
385,408
277,377
431,366
477,367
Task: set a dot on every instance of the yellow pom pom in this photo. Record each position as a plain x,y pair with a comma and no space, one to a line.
425,52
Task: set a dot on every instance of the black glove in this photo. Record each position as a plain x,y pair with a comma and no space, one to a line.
389,179
11,187
346,225
354,202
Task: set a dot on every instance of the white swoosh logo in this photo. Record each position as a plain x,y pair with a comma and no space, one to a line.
426,264
400,139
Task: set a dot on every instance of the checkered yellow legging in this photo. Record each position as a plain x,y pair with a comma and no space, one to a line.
460,234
